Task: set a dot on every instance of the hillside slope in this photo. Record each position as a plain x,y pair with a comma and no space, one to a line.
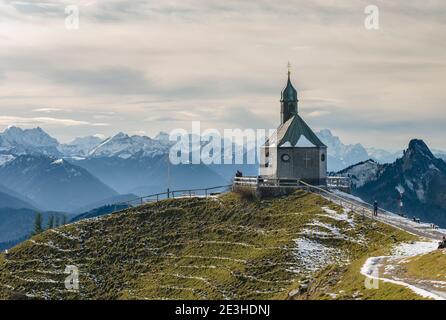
195,248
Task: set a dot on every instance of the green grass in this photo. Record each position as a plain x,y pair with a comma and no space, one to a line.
348,283
231,247
428,266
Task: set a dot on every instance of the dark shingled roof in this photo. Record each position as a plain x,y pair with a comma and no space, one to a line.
292,131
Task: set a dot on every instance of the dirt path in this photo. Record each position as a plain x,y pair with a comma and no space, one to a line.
391,269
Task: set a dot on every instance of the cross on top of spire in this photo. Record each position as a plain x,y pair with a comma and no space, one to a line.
289,94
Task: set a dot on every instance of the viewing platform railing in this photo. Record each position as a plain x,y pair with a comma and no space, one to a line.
266,182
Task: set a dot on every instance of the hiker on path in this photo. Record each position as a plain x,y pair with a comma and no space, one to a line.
442,243
375,208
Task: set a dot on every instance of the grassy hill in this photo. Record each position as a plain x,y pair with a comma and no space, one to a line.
226,248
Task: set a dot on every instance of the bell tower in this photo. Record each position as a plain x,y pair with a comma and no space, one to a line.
288,100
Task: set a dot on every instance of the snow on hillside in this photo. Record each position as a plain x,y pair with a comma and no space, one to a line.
362,172
388,268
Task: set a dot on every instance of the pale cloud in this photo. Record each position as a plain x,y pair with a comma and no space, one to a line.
33,121
47,110
152,66
317,113
100,136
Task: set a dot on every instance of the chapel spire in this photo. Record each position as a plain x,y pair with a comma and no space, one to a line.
288,99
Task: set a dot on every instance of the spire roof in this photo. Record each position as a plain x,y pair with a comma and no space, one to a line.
289,94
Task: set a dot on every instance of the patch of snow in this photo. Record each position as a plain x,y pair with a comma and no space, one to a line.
433,167
409,184
400,189
286,144
329,211
313,256
420,193
372,265
415,248
362,173
57,162
339,216
125,156
370,269
303,142
5,158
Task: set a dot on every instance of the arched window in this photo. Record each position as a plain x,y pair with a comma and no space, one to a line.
323,157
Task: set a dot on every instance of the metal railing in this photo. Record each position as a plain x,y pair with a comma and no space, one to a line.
266,182
338,182
422,228
175,194
343,202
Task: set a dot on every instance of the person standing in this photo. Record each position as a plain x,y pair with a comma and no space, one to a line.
375,208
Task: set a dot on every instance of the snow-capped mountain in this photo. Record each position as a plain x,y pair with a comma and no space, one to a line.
53,184
418,174
80,147
15,140
162,136
362,172
383,156
339,154
124,146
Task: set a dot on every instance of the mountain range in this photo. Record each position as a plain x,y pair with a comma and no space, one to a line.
91,172
419,176
342,155
53,184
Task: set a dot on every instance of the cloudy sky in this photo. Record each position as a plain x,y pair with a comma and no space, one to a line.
143,66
